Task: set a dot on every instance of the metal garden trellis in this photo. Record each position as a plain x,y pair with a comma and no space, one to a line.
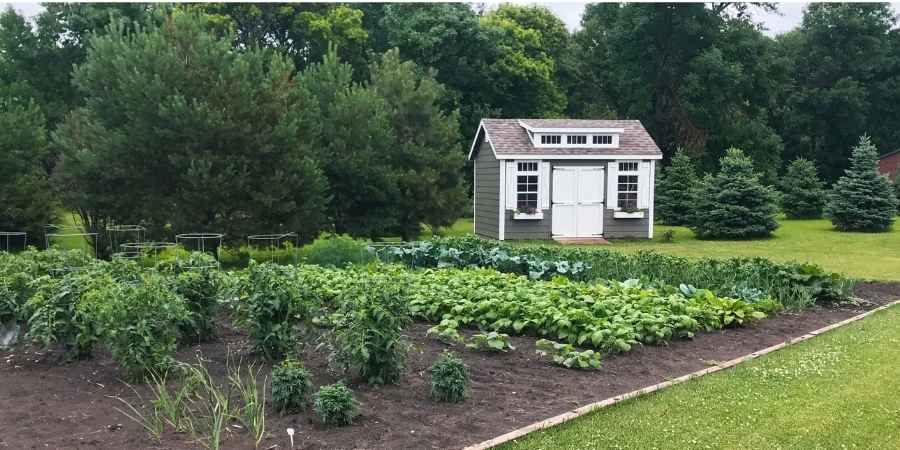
135,250
274,242
200,242
7,236
56,235
119,235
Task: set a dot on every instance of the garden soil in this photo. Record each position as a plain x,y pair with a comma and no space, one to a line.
45,404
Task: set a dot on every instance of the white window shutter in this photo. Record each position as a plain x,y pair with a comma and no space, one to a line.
511,185
544,185
612,188
644,185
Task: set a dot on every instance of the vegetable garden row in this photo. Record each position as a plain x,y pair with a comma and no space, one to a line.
570,298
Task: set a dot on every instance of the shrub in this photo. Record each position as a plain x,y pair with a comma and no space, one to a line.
278,302
565,355
862,200
493,341
673,206
291,386
334,405
449,379
336,251
197,281
140,324
733,204
368,329
803,195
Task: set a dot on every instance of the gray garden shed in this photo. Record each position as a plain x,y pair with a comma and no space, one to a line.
563,179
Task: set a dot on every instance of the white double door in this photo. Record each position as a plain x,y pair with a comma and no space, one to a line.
577,201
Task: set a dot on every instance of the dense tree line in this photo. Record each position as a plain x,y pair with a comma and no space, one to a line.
401,88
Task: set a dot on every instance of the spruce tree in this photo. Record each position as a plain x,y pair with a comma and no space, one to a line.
897,190
803,195
673,202
862,200
733,204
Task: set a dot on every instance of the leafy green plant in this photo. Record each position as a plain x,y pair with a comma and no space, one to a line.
334,405
291,386
368,330
492,341
278,302
565,355
446,332
140,324
331,250
449,379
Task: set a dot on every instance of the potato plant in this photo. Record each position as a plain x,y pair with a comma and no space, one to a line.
565,355
492,341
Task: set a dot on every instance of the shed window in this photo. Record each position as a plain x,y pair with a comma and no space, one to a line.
551,139
603,139
628,185
527,186
576,139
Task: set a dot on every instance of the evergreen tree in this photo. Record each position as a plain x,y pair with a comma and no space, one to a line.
734,204
803,195
897,190
862,200
26,198
178,128
673,201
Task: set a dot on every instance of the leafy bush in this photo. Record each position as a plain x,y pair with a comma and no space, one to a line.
733,204
368,329
565,355
449,379
673,207
862,200
140,324
334,405
291,386
492,341
336,251
803,195
197,281
446,332
278,301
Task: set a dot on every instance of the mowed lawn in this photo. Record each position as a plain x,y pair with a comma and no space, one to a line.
862,255
836,391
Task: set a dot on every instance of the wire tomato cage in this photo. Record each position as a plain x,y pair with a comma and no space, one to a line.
120,235
208,243
11,241
70,237
272,244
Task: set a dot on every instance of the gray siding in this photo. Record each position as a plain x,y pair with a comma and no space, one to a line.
541,229
487,192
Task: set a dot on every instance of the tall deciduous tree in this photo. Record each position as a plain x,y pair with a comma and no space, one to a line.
862,200
26,198
734,204
846,74
178,128
803,195
674,203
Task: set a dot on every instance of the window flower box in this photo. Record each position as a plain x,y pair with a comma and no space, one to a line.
525,216
628,214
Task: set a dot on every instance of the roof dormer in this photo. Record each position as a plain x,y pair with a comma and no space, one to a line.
569,137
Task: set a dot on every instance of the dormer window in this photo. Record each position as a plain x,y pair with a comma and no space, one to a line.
551,139
576,139
603,139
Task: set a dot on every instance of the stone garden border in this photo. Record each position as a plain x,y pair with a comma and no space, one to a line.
575,413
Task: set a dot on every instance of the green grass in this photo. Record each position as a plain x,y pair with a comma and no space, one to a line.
835,391
862,255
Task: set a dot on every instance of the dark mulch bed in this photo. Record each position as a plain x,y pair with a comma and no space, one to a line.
47,405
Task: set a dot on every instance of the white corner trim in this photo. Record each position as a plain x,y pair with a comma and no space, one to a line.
651,204
578,412
570,130
553,157
501,233
474,193
487,137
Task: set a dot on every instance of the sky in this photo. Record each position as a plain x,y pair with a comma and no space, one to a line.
789,16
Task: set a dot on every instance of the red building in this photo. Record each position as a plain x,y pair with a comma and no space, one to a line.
889,164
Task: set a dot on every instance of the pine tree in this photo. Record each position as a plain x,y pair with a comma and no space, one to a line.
897,190
673,202
803,195
862,200
733,204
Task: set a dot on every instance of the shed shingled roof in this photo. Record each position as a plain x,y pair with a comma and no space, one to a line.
509,138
